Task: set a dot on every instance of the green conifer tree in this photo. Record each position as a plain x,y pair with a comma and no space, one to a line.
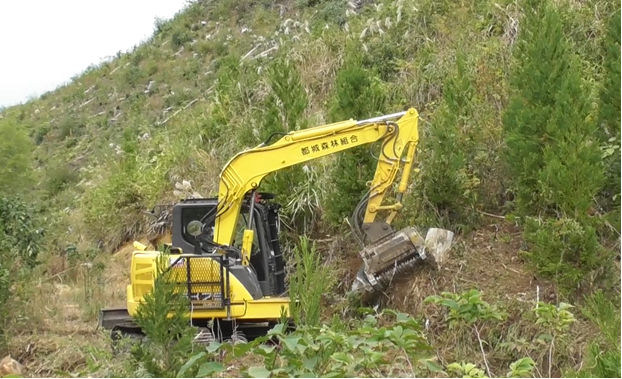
609,109
358,95
447,183
552,150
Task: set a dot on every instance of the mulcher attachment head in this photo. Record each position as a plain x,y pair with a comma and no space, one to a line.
395,253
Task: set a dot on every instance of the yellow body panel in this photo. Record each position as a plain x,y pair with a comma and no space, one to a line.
144,271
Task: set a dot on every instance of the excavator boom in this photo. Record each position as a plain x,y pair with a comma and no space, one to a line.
245,171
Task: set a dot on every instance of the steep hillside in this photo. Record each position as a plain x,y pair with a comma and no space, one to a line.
535,221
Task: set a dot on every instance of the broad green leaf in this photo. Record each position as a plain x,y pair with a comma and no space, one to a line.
241,348
187,365
309,363
266,349
341,357
213,346
334,374
523,364
209,368
450,303
291,342
277,329
259,372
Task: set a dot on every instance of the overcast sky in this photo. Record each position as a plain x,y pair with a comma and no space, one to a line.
47,42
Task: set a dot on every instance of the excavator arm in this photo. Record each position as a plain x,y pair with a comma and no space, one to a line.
245,171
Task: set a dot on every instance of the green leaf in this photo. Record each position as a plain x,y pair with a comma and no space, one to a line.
450,303
277,329
266,349
291,342
309,363
334,374
241,348
187,365
259,372
402,317
209,368
341,357
521,366
213,346
432,366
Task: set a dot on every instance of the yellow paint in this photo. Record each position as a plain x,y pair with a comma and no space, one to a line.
143,273
247,244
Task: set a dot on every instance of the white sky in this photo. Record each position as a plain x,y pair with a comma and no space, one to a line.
47,42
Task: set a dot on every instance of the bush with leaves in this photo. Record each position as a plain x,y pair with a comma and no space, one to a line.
15,158
370,348
21,240
20,233
283,112
449,182
468,309
566,249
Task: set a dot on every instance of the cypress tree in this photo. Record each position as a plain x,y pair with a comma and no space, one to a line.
609,109
358,95
552,149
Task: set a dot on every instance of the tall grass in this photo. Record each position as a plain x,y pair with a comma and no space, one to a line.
308,282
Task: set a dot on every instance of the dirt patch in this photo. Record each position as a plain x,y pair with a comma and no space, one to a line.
487,260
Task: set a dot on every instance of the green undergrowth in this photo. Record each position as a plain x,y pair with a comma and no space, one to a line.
373,343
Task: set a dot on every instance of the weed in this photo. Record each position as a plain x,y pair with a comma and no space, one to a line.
309,281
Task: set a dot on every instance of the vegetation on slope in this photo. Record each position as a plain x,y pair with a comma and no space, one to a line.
520,125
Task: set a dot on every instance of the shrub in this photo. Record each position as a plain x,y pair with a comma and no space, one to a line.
553,152
20,245
564,249
170,339
308,282
15,158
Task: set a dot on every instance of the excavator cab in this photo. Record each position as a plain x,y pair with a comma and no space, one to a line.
267,276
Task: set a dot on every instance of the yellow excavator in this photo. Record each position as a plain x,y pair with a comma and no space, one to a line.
225,251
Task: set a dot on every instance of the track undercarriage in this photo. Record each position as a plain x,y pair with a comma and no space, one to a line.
121,326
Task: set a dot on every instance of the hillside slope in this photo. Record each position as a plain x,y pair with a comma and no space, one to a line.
223,75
